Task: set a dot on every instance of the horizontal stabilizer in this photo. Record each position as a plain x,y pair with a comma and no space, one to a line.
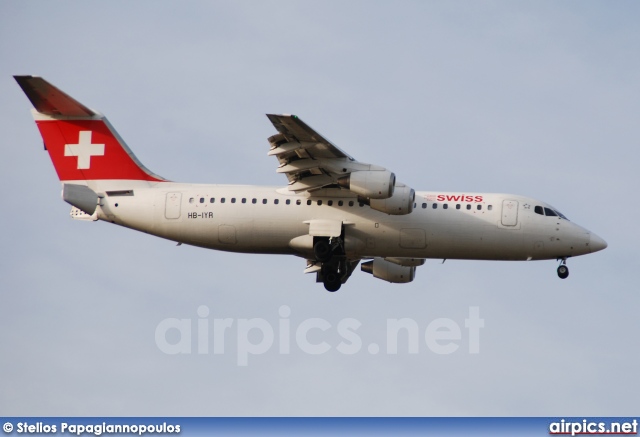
49,100
80,196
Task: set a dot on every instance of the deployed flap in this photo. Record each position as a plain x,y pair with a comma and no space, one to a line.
324,228
80,196
308,160
311,162
310,183
49,100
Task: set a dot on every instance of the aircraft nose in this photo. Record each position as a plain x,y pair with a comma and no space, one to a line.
596,243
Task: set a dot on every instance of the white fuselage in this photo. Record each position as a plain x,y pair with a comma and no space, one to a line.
259,219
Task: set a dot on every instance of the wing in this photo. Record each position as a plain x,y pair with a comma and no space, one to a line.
309,160
295,130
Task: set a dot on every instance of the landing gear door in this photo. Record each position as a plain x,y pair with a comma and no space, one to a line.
509,213
324,228
172,206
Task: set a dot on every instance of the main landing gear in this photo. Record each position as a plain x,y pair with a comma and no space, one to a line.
563,270
331,255
322,250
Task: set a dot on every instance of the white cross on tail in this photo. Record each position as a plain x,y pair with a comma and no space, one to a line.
84,150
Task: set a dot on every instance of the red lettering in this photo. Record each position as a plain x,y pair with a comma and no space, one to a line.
458,198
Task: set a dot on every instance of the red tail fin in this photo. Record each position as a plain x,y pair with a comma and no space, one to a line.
81,143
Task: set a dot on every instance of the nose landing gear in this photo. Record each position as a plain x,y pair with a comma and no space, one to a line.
563,270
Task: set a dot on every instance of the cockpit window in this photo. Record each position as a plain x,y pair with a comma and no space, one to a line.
549,212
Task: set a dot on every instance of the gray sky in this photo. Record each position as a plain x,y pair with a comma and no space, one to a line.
534,98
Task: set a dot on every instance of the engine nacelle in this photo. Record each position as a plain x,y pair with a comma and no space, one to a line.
389,271
407,262
400,203
372,184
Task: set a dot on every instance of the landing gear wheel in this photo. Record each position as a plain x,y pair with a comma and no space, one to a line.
332,285
563,271
331,277
322,250
332,280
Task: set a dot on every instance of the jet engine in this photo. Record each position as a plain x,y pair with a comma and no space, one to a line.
389,271
371,184
407,262
401,203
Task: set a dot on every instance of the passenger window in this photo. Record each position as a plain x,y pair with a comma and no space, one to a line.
276,201
479,207
308,202
191,200
330,203
360,204
288,202
434,206
222,200
468,206
538,210
298,202
264,201
457,206
550,213
254,200
490,207
212,200
202,200
244,200
351,203
445,206
340,203
424,205
233,200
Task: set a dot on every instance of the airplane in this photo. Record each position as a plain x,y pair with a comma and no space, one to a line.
334,211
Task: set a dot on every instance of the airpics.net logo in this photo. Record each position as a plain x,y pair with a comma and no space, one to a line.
313,336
